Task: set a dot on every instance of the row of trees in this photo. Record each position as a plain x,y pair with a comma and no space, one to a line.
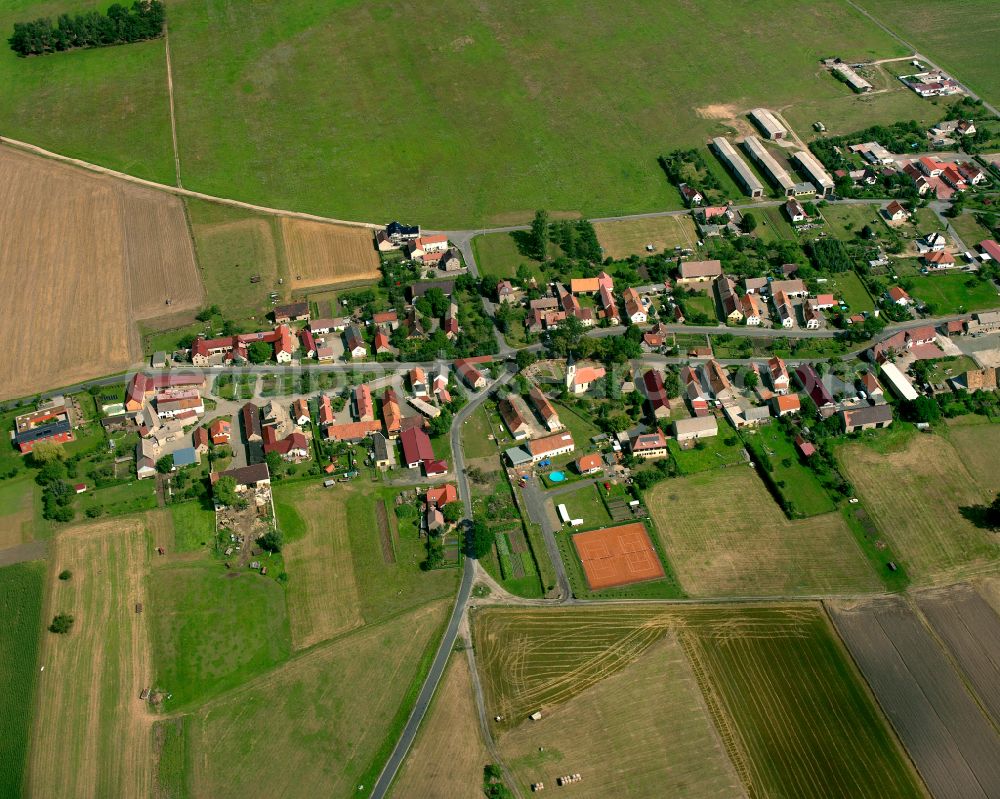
90,29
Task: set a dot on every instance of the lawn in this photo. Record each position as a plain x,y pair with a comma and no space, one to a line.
801,487
725,536
254,112
213,629
321,724
954,293
120,498
585,503
702,302
845,222
194,525
21,587
950,367
847,287
105,105
978,445
939,31
915,494
969,230
648,708
476,432
497,257
724,449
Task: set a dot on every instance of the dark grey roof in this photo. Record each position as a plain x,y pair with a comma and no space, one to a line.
868,414
43,431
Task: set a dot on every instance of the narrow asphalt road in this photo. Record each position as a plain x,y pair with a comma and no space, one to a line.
535,501
433,678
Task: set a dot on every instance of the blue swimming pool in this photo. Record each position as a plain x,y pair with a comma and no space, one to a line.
557,477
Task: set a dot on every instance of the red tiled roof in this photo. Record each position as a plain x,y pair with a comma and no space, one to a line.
442,495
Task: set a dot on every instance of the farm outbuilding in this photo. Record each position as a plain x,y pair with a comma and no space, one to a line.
740,169
768,124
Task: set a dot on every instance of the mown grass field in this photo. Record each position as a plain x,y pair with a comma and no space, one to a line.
232,247
257,120
978,445
630,237
725,535
321,724
323,596
800,486
724,449
21,589
791,711
193,526
106,105
87,706
448,756
941,31
915,494
954,293
212,629
17,509
656,736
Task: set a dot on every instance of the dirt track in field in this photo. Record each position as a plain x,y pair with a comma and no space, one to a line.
325,255
81,258
92,734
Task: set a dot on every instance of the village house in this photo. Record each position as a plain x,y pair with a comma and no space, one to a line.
899,296
649,446
250,415
321,327
233,349
450,260
725,290
300,412
351,432
741,413
472,377
784,309
812,316
778,375
172,403
690,195
426,249
795,210
895,212
221,432
784,404
51,422
147,452
755,285
382,451
247,478
418,382
326,411
589,464
364,408
506,292
392,417
142,387
815,388
386,319
656,394
635,311
442,495
293,447
870,387
416,447
714,219
441,387
938,261
200,440
354,343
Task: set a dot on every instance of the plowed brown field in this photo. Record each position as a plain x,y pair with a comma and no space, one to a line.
320,254
81,258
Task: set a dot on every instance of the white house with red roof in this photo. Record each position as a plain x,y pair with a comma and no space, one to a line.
579,380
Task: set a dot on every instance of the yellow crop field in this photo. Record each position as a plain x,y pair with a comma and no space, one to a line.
321,254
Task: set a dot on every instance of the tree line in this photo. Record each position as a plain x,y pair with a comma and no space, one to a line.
119,25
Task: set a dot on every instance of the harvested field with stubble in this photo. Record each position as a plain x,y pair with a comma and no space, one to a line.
630,236
656,736
317,725
787,703
971,630
321,254
954,747
91,734
723,548
915,496
447,759
82,258
323,598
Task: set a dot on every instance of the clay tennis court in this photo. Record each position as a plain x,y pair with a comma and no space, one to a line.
614,556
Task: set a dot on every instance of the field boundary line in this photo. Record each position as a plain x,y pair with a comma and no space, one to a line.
727,732
182,192
170,97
